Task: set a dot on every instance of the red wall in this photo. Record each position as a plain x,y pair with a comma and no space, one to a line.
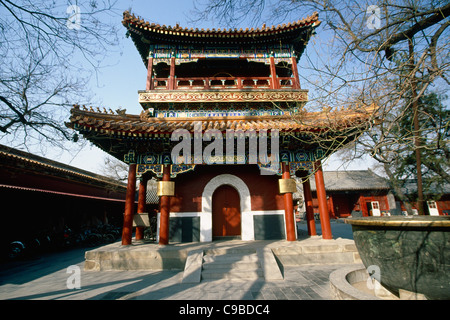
342,204
31,179
443,205
189,187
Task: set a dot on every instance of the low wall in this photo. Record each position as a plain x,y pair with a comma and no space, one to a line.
155,257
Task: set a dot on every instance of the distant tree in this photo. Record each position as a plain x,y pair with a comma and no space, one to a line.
434,121
114,169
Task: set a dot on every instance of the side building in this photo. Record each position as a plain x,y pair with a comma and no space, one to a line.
363,193
42,195
355,193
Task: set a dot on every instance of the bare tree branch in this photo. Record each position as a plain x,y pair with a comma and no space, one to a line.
41,74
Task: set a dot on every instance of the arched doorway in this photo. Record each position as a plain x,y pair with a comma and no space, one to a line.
226,212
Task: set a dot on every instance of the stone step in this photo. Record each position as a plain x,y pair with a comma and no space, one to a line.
233,274
231,264
235,265
230,258
320,253
227,251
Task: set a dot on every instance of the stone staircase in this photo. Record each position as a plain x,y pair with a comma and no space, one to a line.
231,264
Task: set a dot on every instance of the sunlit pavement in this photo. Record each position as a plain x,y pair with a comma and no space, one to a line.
53,276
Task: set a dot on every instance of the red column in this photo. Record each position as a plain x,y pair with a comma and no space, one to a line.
142,199
239,83
309,208
273,74
295,74
164,210
331,207
322,198
288,206
127,229
172,74
362,206
149,84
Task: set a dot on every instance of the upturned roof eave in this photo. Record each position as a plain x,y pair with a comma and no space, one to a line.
132,22
143,33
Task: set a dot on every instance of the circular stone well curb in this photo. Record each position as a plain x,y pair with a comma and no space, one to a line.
341,287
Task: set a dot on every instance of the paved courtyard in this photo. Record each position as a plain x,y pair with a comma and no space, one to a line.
43,280
52,277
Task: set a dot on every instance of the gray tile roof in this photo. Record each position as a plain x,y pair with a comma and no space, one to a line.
347,181
429,187
352,180
54,168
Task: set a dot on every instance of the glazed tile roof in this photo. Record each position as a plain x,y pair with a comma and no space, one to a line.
142,124
144,33
130,20
22,158
48,176
7,186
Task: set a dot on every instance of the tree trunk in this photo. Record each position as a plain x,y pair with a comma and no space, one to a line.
416,133
397,189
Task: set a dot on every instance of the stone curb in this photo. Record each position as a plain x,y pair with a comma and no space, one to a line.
343,290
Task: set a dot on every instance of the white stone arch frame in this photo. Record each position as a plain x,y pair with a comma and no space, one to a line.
245,202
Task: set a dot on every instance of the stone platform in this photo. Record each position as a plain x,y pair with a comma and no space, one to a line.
225,259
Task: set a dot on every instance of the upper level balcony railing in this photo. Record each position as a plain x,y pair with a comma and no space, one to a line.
207,83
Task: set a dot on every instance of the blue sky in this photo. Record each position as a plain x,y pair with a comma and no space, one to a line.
117,84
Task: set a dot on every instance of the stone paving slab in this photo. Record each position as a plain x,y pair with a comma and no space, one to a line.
47,278
300,283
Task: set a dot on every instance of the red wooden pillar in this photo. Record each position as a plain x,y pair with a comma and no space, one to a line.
386,202
142,200
127,229
239,83
322,198
331,207
273,73
295,74
363,207
172,74
149,84
164,210
288,206
310,222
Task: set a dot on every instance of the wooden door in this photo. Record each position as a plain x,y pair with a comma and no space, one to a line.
376,208
432,208
341,206
226,213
